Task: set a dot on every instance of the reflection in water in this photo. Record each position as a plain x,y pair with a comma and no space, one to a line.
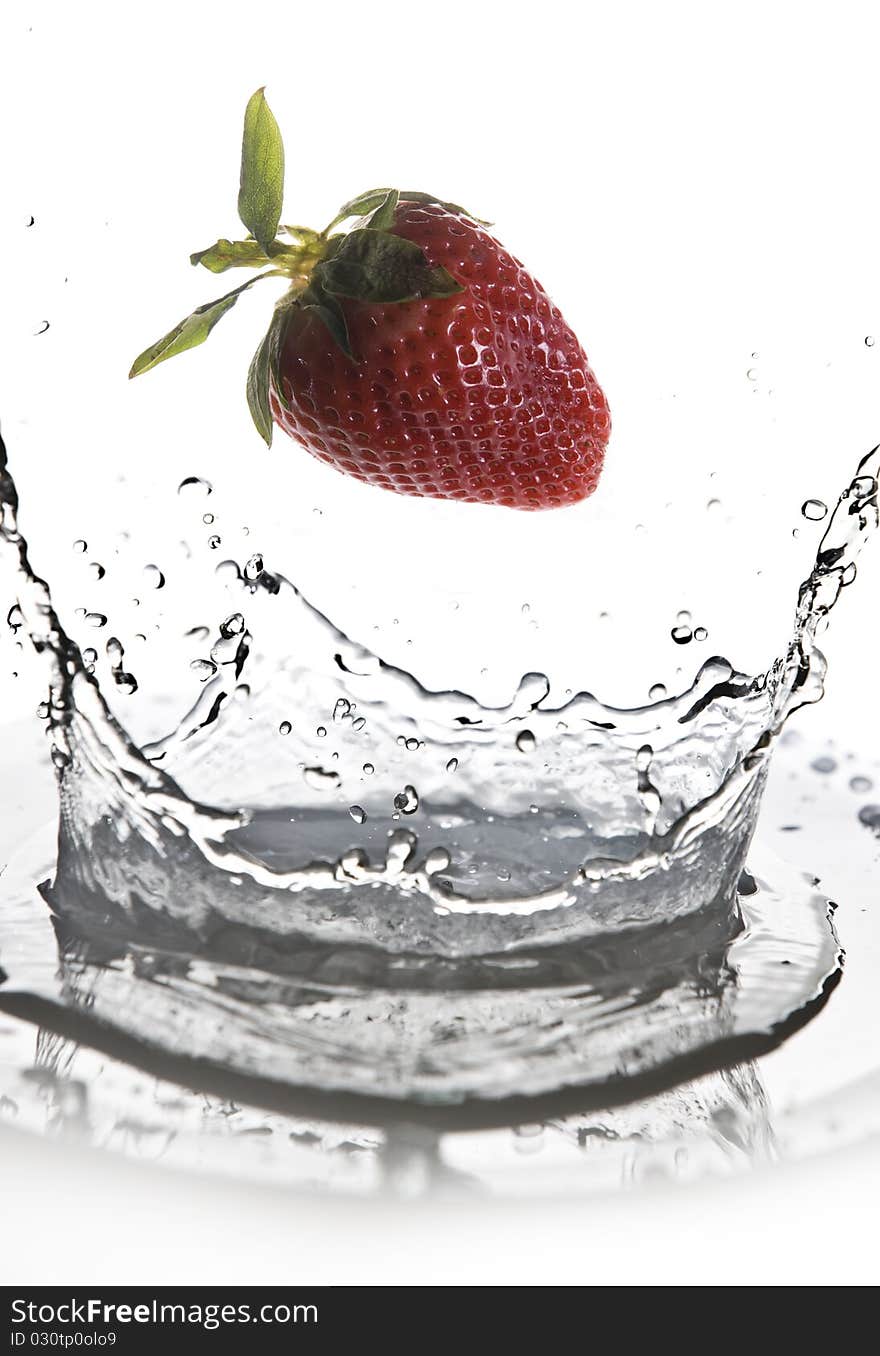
715,1124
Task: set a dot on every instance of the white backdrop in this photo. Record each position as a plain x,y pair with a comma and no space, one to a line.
695,186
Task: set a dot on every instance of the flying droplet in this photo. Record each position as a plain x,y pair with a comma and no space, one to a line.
154,576
42,327
869,815
657,692
824,765
90,656
205,668
195,485
525,741
713,504
700,633
253,569
97,571
358,813
412,744
814,510
96,619
861,784
285,727
341,709
321,731
207,519
452,765
214,542
407,800
232,626
80,546
368,769
319,779
869,341
43,711
358,723
126,682
752,374
29,221
15,618
682,635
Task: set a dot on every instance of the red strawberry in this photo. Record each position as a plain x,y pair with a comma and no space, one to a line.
412,352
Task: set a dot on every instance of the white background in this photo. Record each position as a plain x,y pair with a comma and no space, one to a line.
693,185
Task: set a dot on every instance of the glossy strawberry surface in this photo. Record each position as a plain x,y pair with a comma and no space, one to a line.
484,396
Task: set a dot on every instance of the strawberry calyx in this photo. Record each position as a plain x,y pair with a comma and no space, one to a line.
364,261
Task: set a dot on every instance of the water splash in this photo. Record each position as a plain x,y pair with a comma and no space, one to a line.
593,821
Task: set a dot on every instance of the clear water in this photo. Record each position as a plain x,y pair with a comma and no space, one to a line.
328,877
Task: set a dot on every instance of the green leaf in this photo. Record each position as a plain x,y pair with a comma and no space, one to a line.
230,254
328,310
382,218
192,331
264,372
262,172
368,202
361,206
375,266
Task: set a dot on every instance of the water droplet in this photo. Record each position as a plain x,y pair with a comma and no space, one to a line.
232,626
657,692
205,668
214,542
525,741
95,619
869,341
80,546
814,510
869,815
193,485
42,327
319,779
452,765
682,635
285,727
824,764
321,731
368,769
97,571
115,652
700,633
154,576
407,800
861,784
254,568
358,813
437,860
